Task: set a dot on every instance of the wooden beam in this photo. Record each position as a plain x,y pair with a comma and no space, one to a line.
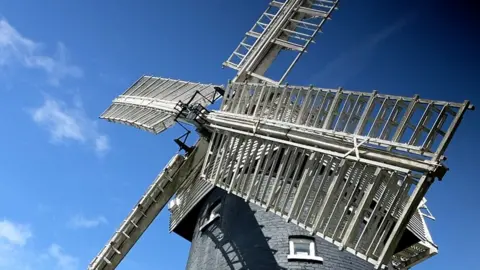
407,213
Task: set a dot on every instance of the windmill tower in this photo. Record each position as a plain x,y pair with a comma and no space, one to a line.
288,177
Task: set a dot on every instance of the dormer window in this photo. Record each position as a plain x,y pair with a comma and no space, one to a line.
303,248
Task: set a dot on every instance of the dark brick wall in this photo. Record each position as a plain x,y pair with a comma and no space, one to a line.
247,237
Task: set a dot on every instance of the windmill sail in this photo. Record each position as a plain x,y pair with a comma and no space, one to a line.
280,147
166,184
153,104
400,131
319,192
288,25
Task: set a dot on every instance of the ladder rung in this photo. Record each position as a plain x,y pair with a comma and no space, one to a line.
290,35
252,34
297,33
326,1
312,12
133,223
153,198
276,4
288,45
263,78
239,54
410,125
449,110
424,128
435,109
106,260
115,249
304,23
157,187
124,234
306,28
248,46
321,5
140,209
262,24
269,15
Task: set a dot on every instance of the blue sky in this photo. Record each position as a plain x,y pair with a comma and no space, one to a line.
67,179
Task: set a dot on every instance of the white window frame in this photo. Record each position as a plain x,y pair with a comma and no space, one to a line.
212,214
310,257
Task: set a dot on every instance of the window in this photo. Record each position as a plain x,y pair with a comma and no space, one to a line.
174,203
212,214
302,248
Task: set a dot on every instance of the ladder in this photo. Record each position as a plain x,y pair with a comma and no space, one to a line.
142,215
285,25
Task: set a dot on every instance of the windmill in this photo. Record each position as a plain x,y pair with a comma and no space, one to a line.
288,176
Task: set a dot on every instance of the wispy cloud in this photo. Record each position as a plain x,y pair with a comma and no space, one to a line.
80,221
69,122
17,254
13,238
13,233
16,48
63,261
101,144
350,63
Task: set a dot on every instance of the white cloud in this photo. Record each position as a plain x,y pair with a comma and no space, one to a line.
12,233
27,258
16,253
79,221
63,261
13,238
69,122
16,48
101,143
